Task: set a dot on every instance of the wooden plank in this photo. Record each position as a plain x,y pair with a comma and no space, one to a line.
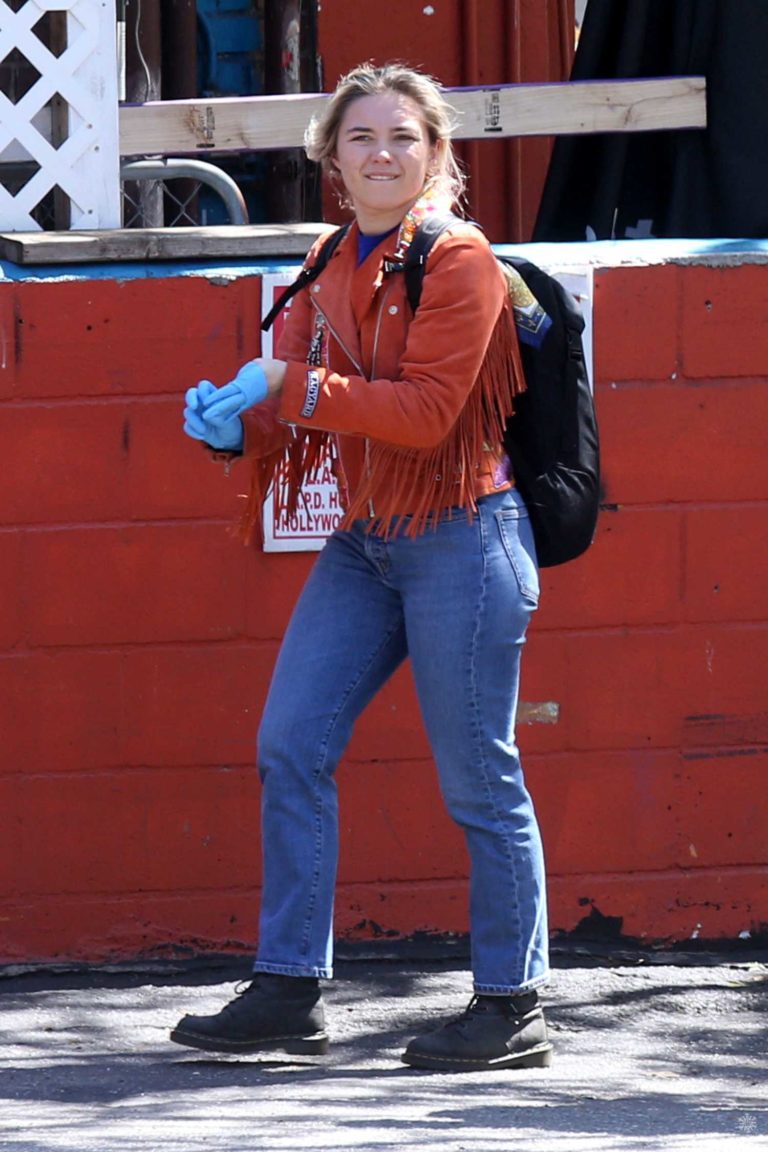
255,123
584,107
244,123
225,241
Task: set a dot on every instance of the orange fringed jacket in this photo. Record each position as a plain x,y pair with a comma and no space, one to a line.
412,407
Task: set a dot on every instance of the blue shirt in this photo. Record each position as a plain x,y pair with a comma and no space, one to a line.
366,244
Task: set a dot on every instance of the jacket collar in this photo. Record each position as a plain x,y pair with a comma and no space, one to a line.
345,292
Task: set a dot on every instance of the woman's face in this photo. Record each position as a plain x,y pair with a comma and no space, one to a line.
383,155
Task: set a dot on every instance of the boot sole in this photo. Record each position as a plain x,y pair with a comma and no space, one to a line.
315,1045
534,1058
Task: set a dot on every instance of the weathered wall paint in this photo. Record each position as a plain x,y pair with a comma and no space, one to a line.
137,638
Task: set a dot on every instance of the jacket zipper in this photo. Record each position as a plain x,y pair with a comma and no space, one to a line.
342,345
340,342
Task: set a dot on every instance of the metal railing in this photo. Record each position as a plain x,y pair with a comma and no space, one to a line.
149,199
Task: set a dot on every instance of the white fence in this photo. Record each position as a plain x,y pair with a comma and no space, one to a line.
59,136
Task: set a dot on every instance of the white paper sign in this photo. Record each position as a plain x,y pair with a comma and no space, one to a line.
319,512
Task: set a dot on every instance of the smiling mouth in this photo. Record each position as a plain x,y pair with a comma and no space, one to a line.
380,177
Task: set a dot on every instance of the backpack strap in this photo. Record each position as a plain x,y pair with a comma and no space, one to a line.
306,276
415,262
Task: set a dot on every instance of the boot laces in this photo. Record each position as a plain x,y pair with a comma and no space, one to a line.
476,1007
242,988
480,1005
476,1004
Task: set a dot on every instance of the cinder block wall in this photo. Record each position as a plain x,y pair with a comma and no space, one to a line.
137,637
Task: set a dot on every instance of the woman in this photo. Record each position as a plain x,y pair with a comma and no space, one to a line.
434,560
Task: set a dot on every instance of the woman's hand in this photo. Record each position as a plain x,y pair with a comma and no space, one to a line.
249,387
213,414
223,435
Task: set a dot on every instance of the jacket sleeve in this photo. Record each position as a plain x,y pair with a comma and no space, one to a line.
462,297
263,432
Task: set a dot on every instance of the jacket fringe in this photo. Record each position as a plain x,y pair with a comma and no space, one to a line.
425,481
284,472
417,482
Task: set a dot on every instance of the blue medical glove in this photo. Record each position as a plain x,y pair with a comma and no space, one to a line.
225,435
249,387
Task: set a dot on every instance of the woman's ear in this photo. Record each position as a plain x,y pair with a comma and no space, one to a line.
436,155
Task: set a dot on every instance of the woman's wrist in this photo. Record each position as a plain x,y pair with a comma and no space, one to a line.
274,370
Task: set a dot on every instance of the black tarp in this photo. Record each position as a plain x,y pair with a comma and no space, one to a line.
711,182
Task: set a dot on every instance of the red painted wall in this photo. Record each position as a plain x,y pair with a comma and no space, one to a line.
137,637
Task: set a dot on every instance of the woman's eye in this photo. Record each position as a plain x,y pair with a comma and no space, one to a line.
366,138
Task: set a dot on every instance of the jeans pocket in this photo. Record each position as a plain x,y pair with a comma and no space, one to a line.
517,538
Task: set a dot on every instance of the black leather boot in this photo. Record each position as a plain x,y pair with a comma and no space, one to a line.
272,1012
493,1032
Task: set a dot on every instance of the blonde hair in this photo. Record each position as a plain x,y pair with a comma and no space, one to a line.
321,137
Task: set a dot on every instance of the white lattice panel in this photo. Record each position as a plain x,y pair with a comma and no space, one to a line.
85,166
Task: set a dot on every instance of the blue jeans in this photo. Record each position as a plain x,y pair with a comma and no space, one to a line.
456,599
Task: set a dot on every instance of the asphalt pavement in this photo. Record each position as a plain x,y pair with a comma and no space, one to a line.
652,1051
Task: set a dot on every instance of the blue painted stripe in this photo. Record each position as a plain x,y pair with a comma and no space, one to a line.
154,270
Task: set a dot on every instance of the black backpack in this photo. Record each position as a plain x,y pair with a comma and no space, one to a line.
552,438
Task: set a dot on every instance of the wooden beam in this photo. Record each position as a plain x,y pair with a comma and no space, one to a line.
579,108
237,124
258,123
224,241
